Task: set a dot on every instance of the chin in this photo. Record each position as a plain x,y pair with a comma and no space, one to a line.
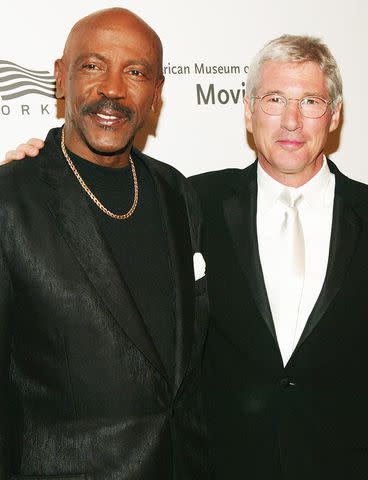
110,146
290,163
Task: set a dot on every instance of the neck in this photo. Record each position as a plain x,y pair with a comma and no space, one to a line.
110,161
81,147
293,178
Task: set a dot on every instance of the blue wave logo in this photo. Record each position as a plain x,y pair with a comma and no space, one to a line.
17,81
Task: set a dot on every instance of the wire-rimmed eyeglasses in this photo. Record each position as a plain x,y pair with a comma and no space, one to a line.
310,106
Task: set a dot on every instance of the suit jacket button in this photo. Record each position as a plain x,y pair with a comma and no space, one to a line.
286,383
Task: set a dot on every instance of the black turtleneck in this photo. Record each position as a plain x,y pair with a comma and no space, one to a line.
138,245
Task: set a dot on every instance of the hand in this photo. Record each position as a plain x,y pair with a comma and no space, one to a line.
30,149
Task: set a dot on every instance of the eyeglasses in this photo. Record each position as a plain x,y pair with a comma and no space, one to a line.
310,107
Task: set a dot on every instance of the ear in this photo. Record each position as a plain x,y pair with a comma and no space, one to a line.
248,114
156,102
335,118
59,73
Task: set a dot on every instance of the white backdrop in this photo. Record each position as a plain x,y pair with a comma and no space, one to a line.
201,124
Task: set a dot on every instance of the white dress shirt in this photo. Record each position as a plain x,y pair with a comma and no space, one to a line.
315,213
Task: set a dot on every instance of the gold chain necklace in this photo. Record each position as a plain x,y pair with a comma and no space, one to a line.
117,216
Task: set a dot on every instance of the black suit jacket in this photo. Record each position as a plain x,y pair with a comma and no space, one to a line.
308,420
83,391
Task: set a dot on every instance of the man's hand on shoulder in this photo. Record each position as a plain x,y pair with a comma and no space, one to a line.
30,149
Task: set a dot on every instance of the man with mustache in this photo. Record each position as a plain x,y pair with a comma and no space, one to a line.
285,242
103,314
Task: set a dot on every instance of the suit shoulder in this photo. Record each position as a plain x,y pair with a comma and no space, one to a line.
18,172
357,193
219,181
22,172
351,187
17,167
215,177
172,176
167,171
359,187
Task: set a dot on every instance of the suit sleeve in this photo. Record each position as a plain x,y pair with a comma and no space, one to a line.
6,301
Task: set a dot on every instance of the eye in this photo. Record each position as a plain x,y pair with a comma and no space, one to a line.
274,99
90,66
135,72
311,101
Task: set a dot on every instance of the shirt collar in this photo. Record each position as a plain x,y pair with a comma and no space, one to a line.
314,191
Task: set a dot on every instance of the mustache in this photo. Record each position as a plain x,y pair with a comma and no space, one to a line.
107,105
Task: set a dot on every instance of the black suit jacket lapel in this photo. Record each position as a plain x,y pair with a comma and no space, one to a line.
240,211
176,229
77,225
344,235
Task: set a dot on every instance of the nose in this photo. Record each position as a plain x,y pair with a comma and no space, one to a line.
112,85
291,118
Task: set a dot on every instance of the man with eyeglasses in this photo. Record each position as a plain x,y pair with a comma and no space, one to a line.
285,242
287,269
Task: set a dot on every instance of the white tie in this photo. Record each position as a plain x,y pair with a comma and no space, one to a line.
292,253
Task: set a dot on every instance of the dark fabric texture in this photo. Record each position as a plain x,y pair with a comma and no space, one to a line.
308,420
138,246
84,392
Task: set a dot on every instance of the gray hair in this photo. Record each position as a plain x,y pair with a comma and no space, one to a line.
297,48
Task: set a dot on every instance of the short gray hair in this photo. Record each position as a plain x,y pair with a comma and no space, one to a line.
297,48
